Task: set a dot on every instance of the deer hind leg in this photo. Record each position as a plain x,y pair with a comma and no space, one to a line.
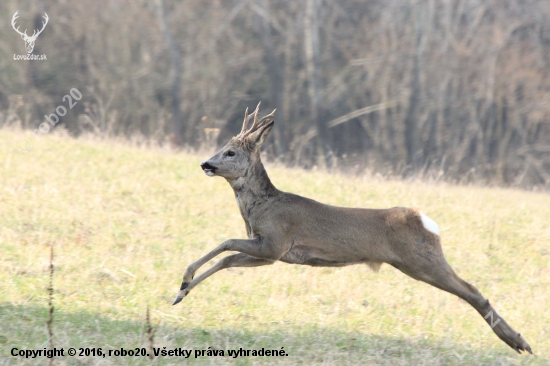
235,260
433,269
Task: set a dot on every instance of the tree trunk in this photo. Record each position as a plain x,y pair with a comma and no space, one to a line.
175,58
311,43
276,78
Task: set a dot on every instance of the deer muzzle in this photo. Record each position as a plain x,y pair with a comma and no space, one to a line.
208,169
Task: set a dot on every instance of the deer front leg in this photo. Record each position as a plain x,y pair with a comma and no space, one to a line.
257,248
235,260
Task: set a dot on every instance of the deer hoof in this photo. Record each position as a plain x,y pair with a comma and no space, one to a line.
184,285
179,298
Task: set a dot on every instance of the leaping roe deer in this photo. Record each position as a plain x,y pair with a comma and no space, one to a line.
293,229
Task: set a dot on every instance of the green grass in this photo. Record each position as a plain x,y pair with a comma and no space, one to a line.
125,222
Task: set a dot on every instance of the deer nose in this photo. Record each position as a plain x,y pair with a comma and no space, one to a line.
206,165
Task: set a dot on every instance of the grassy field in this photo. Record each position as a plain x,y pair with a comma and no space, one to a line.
125,222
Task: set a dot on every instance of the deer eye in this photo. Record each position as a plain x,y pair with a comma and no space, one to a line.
230,153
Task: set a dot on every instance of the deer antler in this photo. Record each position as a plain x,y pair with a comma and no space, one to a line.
256,124
24,34
45,16
264,118
13,19
247,117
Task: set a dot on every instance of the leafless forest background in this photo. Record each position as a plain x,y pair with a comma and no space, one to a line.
451,89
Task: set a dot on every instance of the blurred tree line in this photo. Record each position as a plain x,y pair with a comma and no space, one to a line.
451,89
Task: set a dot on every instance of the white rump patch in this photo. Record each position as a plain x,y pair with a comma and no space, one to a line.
429,224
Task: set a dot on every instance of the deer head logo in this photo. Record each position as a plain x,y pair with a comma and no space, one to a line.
29,41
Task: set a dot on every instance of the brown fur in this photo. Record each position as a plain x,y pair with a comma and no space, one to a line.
286,227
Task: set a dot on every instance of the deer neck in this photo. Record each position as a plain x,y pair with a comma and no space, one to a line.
254,187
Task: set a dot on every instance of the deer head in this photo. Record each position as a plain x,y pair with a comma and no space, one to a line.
235,158
29,41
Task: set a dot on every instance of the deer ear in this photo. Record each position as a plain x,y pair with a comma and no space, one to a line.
261,134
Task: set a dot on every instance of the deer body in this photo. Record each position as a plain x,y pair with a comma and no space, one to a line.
293,229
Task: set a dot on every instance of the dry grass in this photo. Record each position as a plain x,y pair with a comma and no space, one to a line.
126,221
